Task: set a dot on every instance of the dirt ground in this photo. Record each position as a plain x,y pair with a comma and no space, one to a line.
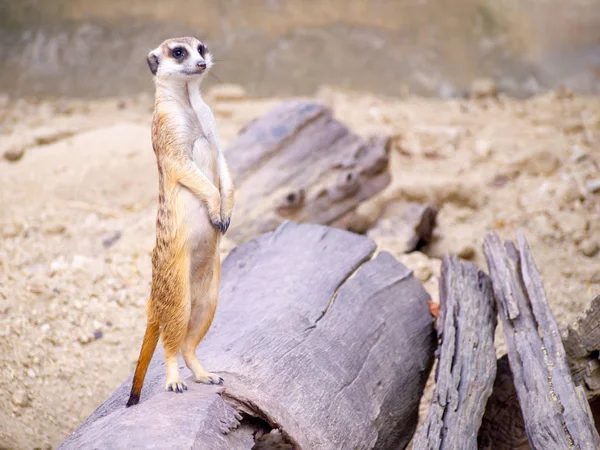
77,222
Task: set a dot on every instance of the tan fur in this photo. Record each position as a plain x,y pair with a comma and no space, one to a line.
195,202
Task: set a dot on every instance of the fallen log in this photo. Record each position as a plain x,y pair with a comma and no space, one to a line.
467,359
503,426
299,163
555,411
321,347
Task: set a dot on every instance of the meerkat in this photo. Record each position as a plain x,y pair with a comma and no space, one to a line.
195,202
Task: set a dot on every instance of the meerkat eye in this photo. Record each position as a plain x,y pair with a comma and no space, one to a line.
178,52
202,50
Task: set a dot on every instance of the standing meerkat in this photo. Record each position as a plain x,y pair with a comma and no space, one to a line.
195,201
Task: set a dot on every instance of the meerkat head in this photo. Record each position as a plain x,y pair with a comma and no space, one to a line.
180,58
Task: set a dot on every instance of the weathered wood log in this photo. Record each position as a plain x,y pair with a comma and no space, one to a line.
320,346
503,426
299,163
467,361
555,412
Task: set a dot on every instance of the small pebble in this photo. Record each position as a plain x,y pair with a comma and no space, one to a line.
589,247
20,397
11,230
484,88
14,154
593,185
54,228
466,251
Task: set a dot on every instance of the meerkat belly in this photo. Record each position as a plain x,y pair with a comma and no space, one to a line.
202,235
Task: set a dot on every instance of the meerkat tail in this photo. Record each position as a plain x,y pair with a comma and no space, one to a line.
148,348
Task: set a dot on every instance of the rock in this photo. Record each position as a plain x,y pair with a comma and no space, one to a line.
465,251
484,88
14,154
567,193
228,92
573,126
11,230
93,267
589,247
540,162
483,148
36,285
20,397
571,223
84,339
578,155
593,186
54,228
420,264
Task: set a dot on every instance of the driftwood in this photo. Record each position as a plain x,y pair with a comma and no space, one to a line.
467,360
503,426
320,346
556,414
299,163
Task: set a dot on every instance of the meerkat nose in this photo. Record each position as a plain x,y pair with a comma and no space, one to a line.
202,65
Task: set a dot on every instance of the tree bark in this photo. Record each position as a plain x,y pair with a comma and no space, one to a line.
555,411
467,360
321,347
299,163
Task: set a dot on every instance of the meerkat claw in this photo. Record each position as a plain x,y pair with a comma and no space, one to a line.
226,225
177,386
210,378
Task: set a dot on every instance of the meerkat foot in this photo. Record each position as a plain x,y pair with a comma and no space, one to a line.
176,386
208,378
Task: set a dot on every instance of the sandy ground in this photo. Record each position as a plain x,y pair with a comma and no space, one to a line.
77,223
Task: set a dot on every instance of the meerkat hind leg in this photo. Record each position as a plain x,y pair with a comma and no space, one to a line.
203,310
175,328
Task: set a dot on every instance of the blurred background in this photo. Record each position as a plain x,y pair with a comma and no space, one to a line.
491,108
282,47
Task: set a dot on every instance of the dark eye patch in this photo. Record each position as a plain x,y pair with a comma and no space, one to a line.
202,50
178,53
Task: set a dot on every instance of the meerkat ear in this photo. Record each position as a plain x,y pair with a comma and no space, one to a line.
153,62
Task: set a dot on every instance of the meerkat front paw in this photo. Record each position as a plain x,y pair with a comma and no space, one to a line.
176,386
208,378
214,211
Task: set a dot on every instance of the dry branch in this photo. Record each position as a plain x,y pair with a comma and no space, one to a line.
320,346
467,361
555,412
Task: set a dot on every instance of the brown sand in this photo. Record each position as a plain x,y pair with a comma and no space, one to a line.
77,223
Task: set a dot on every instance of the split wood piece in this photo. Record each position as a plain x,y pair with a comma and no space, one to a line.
405,227
467,360
555,412
582,346
319,345
503,426
299,163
